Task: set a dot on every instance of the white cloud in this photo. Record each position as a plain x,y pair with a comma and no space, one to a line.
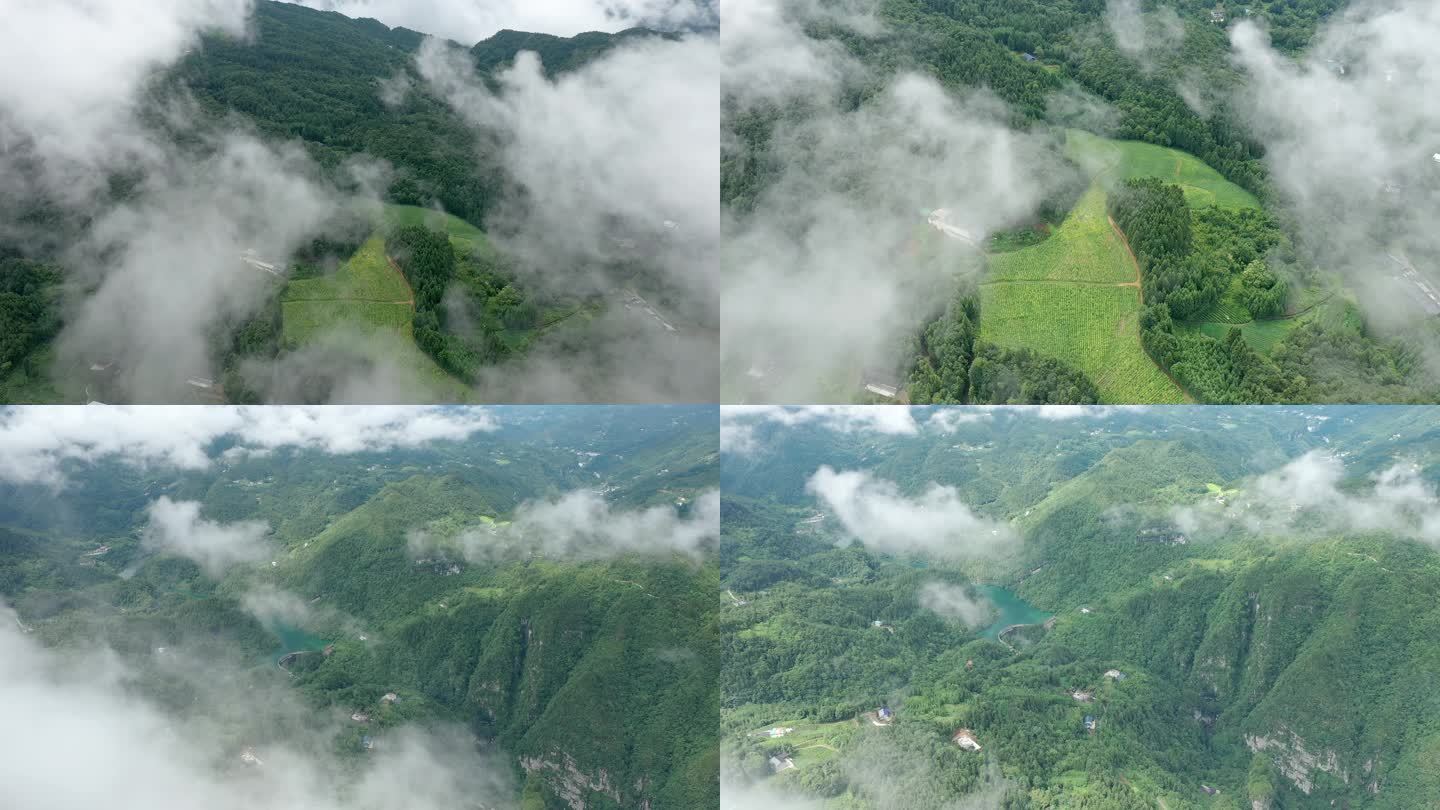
955,603
1059,413
1306,496
935,523
949,420
1349,147
614,167
581,525
1141,36
826,274
84,63
175,527
884,419
35,442
91,741
469,21
736,796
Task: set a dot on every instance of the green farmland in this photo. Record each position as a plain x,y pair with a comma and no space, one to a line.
366,294
1075,296
367,301
464,236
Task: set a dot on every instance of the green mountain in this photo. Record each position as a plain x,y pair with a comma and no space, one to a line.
1283,663
319,80
595,679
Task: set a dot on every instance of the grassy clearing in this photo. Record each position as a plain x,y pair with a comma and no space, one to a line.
1095,328
1083,248
464,236
304,320
811,743
1117,161
1064,297
366,276
365,294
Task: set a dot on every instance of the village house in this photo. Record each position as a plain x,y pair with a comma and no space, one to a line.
390,697
249,758
778,732
367,742
778,763
1090,723
965,738
1115,674
1082,696
360,717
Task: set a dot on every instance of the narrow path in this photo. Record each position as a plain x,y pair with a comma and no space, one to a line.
1133,261
996,281
403,280
1136,262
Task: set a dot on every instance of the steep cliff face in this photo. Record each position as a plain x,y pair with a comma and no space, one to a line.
1320,659
1294,762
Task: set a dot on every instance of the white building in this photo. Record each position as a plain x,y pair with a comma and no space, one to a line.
939,219
965,738
882,390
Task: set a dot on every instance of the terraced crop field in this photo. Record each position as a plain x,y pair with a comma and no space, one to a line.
365,294
1117,161
1262,336
1075,295
1084,248
1094,327
366,303
464,236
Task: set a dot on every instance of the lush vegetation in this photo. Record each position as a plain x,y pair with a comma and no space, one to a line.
1217,644
317,78
609,665
29,312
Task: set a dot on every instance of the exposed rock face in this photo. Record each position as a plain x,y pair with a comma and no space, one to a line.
572,784
1294,762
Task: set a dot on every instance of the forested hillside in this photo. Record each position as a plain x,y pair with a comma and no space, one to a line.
589,672
348,94
1133,646
1253,312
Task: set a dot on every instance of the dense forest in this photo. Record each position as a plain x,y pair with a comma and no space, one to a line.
1263,669
523,653
1188,260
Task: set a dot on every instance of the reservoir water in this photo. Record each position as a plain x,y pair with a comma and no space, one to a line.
295,639
1011,610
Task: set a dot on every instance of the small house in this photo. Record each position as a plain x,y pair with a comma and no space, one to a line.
1082,696
885,713
390,697
249,758
965,738
1090,723
360,717
1030,57
367,742
1115,675
880,389
1209,791
779,763
1217,15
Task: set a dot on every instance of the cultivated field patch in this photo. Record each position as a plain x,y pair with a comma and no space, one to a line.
1094,327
